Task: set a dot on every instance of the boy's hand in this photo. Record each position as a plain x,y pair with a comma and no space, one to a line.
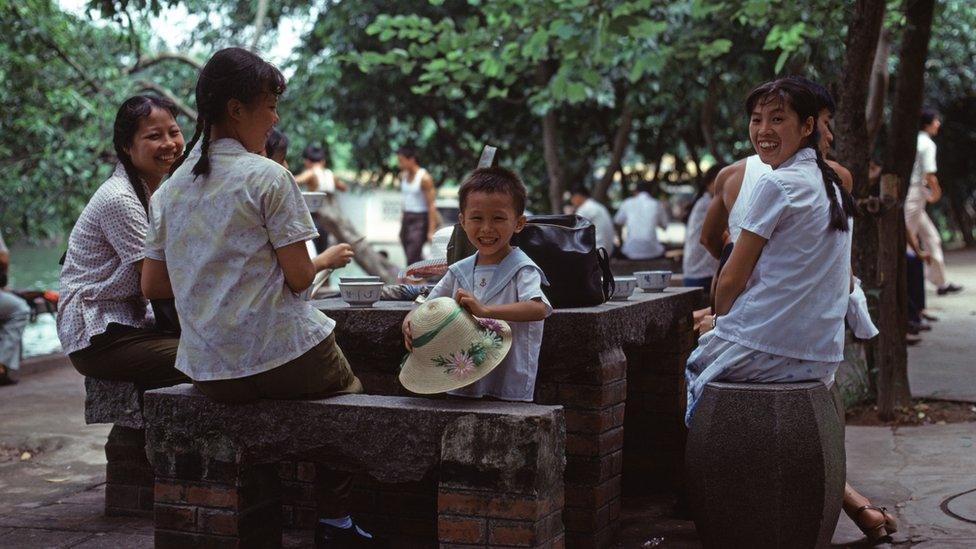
925,256
407,334
471,304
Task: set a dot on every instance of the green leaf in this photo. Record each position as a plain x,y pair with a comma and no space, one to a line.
648,28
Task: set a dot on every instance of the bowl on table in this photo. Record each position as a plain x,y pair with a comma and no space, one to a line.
653,281
314,200
624,287
360,294
366,278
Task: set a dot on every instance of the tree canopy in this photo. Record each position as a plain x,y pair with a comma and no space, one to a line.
574,92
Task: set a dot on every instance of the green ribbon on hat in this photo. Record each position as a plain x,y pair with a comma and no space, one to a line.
429,336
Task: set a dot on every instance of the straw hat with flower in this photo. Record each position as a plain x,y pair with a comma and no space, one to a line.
452,348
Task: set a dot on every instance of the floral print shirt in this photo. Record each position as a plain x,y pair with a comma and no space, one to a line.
218,235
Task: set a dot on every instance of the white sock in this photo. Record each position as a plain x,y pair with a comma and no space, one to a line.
344,522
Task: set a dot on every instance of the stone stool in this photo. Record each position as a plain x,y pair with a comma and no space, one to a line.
765,465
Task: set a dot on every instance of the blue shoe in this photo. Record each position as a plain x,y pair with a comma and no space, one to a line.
333,537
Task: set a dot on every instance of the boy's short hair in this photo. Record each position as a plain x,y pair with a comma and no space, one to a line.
581,190
407,151
494,180
927,116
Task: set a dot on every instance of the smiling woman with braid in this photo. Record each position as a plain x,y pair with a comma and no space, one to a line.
227,240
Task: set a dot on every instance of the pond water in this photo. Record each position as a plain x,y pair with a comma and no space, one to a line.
36,267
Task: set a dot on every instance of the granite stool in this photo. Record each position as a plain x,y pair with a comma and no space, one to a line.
765,465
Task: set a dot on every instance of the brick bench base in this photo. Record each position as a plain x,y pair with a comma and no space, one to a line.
128,474
454,474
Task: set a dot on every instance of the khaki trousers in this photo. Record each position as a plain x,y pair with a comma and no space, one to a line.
321,372
919,224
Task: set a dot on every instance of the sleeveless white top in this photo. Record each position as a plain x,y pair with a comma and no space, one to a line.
325,179
412,193
754,170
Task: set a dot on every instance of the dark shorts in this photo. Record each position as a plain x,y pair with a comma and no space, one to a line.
413,234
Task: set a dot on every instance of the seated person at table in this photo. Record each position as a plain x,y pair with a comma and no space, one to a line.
498,281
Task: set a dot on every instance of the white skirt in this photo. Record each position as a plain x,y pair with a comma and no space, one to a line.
717,359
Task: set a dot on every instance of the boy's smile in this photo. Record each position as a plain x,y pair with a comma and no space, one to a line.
489,221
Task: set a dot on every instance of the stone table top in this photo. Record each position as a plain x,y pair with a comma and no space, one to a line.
569,333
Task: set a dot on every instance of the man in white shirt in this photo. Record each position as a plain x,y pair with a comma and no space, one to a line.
924,188
14,314
639,216
597,214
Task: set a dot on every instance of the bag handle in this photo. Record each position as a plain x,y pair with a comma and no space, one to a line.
609,286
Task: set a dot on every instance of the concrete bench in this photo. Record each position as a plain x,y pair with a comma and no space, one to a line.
128,475
595,362
493,470
765,465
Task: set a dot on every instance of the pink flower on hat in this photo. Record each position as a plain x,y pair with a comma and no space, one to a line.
460,365
491,324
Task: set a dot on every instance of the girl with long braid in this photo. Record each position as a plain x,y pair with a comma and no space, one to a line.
227,239
781,299
104,322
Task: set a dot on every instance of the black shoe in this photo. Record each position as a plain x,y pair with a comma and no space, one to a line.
949,289
912,339
912,327
331,537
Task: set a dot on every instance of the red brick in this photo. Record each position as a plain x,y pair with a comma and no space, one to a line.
212,495
286,470
305,471
175,517
454,529
129,472
515,533
595,445
592,497
217,521
494,505
592,396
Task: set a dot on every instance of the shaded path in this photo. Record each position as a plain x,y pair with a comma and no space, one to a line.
943,365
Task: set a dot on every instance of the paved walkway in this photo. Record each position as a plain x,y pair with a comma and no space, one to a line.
943,365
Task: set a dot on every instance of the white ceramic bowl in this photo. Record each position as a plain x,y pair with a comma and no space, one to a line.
653,281
314,200
353,279
625,286
360,294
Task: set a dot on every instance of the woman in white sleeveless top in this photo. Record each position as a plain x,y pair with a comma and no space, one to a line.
420,217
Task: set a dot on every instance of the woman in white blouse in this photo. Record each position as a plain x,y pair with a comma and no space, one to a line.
104,323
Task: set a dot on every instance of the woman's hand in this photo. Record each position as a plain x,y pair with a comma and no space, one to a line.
471,304
704,324
334,257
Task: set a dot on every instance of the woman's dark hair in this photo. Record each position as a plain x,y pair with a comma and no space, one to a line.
927,116
127,120
703,183
805,102
314,153
277,143
232,73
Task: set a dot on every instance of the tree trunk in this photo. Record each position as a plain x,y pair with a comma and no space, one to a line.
893,389
620,141
550,144
879,87
707,120
343,230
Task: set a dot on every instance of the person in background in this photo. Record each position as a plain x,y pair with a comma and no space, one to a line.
697,264
14,314
103,320
276,147
639,216
915,260
317,177
597,214
924,188
420,217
